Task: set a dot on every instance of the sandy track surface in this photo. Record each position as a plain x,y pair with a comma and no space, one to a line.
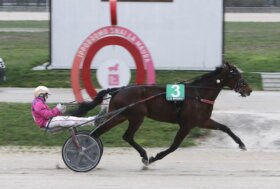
252,17
122,168
215,163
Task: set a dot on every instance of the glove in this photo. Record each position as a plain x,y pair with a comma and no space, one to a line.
61,108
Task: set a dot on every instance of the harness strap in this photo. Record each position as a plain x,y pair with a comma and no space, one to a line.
203,100
207,101
47,126
178,106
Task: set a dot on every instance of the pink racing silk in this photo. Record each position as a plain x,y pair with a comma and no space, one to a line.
41,112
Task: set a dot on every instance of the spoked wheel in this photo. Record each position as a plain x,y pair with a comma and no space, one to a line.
97,139
83,154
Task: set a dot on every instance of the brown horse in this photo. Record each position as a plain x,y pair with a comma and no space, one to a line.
150,101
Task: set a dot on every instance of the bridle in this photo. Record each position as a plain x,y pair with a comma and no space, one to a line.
240,82
239,85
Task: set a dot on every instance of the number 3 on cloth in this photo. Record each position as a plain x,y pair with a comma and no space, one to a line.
175,92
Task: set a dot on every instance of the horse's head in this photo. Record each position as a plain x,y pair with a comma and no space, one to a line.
234,80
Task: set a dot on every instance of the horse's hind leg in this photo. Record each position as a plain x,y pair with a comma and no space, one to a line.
181,134
211,124
133,126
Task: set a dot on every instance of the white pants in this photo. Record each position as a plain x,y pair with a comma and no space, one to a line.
70,121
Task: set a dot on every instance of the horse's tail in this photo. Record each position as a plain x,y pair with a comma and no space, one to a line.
84,107
100,96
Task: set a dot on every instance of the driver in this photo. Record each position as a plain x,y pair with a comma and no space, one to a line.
46,117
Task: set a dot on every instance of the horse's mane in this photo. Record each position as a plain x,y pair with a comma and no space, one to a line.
207,75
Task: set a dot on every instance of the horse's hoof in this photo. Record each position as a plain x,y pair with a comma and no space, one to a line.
243,147
151,160
145,161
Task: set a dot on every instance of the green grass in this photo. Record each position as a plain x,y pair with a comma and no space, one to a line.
24,24
17,128
253,47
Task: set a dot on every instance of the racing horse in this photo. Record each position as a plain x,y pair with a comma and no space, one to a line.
194,111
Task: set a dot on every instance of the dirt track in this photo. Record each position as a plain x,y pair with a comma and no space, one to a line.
215,163
122,168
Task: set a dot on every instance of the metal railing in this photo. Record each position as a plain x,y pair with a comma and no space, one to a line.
24,5
252,3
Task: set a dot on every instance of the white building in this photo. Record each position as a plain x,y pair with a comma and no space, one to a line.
180,35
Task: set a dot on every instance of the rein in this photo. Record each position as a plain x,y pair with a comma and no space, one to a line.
146,99
206,101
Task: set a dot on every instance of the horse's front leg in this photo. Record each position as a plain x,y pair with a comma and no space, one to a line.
211,124
181,134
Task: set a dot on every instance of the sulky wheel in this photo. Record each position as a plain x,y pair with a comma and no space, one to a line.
81,152
97,139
